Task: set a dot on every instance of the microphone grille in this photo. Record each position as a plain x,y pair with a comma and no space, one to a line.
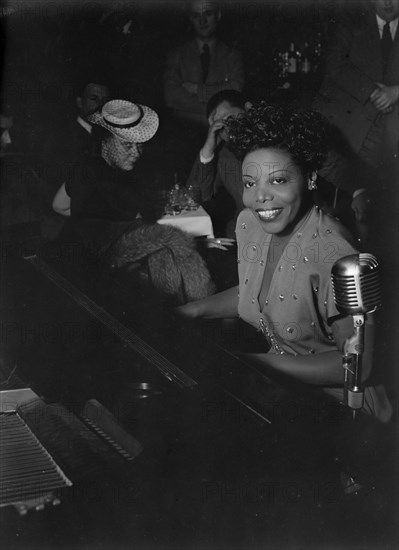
356,284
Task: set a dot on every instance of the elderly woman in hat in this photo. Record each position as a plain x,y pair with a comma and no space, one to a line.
106,210
101,185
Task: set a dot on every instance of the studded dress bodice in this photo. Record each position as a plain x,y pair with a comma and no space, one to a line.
295,316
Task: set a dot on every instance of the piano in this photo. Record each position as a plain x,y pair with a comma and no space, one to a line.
161,436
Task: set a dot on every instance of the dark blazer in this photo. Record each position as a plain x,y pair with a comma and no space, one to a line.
62,147
353,66
184,65
224,171
76,140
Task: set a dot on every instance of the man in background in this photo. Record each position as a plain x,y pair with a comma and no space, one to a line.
193,73
5,127
216,171
77,134
64,143
202,66
359,95
19,194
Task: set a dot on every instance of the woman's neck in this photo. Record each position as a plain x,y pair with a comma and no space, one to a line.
294,226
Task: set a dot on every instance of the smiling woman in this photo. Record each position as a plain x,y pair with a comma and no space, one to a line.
281,157
273,189
286,249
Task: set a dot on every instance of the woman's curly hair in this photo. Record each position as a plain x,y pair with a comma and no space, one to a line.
303,134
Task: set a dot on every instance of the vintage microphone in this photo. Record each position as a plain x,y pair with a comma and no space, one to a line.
357,291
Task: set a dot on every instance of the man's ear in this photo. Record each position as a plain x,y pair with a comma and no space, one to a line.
211,117
247,106
79,103
218,15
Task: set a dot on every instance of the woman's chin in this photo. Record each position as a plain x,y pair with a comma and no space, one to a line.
127,166
274,228
280,226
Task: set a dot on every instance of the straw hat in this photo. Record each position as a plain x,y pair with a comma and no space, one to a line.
126,120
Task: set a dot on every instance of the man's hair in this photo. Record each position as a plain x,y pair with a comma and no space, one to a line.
6,110
304,135
98,79
234,98
215,4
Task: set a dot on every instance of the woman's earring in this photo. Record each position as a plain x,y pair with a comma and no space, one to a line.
312,183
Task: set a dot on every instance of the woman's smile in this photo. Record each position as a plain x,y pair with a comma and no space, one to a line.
268,215
274,188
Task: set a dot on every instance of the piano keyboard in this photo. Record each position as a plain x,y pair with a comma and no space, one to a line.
45,446
28,474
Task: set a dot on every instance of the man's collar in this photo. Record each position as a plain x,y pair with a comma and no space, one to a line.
392,24
201,43
84,124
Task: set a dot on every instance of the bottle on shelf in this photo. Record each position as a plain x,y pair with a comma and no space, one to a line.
282,64
292,59
306,63
317,52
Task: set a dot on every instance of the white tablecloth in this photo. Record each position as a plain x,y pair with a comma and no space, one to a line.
196,222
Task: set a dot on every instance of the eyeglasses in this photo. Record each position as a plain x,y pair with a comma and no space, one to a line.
131,145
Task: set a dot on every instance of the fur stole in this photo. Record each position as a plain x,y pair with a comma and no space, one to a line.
166,257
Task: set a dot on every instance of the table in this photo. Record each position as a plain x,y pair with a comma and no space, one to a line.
196,222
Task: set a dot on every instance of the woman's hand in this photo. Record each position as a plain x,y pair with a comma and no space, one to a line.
223,243
218,306
188,311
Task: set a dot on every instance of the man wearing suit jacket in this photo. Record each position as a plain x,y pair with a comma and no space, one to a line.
66,142
89,99
360,90
216,171
201,67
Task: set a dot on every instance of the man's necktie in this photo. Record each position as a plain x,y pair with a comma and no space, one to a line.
205,57
386,45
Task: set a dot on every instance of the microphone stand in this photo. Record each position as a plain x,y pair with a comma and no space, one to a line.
352,364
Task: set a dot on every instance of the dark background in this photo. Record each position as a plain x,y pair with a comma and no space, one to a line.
50,48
